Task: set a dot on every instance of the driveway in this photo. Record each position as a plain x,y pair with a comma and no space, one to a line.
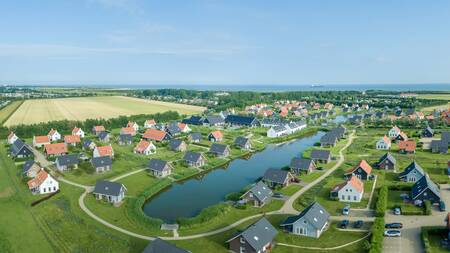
410,241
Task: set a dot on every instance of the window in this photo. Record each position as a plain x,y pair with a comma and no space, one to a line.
354,198
303,231
343,197
44,189
242,249
241,239
348,197
54,188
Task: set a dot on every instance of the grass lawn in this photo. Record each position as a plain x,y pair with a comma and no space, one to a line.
442,96
435,107
394,200
9,109
228,218
55,225
435,238
289,190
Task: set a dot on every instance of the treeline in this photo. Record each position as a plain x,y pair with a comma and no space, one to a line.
66,126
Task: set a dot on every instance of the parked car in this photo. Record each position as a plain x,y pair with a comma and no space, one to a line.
394,225
442,206
358,224
392,233
346,210
397,211
278,195
344,224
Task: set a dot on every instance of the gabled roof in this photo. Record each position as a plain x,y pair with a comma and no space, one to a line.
258,234
329,138
354,181
108,188
150,122
157,164
193,120
403,135
103,135
142,146
196,136
175,143
412,166
363,165
38,180
125,138
55,149
214,119
66,160
429,129
314,214
422,184
17,146
217,134
261,191
409,146
276,175
101,161
87,143
127,130
52,132
320,154
217,148
75,130
105,150
154,134
445,136
173,128
279,129
192,156
160,246
386,139
27,165
131,124
301,163
241,141
388,156
72,139
41,139
241,120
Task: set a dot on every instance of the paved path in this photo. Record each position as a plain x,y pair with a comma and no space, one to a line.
126,175
411,241
288,206
40,158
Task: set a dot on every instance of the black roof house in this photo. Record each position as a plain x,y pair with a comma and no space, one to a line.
301,164
101,161
314,214
125,138
439,146
276,176
427,132
196,136
160,246
320,155
192,156
258,234
214,120
238,120
20,149
27,165
241,142
174,144
329,139
220,149
387,157
425,189
157,164
193,120
108,188
67,160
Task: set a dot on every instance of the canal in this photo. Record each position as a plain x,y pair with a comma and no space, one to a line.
188,198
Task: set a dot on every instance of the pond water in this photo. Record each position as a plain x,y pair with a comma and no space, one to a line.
188,198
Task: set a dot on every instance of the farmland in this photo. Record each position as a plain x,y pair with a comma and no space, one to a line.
45,110
8,110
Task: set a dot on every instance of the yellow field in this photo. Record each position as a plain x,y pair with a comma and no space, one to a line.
435,96
44,110
436,107
7,110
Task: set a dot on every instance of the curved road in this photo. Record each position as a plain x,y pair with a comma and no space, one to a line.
287,207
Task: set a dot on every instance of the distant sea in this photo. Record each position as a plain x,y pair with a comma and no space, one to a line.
280,87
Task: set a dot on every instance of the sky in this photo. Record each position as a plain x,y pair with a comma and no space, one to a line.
224,42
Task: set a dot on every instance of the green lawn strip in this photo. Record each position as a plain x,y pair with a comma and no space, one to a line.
226,218
308,178
289,190
354,248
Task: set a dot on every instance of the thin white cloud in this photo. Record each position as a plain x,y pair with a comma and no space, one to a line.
129,6
52,50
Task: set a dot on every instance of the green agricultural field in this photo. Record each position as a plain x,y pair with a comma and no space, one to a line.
45,110
440,96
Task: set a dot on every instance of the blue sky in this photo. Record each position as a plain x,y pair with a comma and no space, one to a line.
224,42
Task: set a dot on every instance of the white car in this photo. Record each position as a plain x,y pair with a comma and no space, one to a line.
392,233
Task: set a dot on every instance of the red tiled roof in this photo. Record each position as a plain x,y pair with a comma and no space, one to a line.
403,135
217,135
72,139
408,146
105,151
130,123
11,135
356,183
386,139
151,122
154,134
141,146
38,180
41,139
363,165
75,130
55,149
128,130
182,126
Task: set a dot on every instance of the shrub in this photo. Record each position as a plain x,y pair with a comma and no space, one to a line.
205,215
381,202
427,209
233,196
400,187
376,241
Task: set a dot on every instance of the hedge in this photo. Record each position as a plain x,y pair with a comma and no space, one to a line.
427,210
376,241
425,233
381,206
